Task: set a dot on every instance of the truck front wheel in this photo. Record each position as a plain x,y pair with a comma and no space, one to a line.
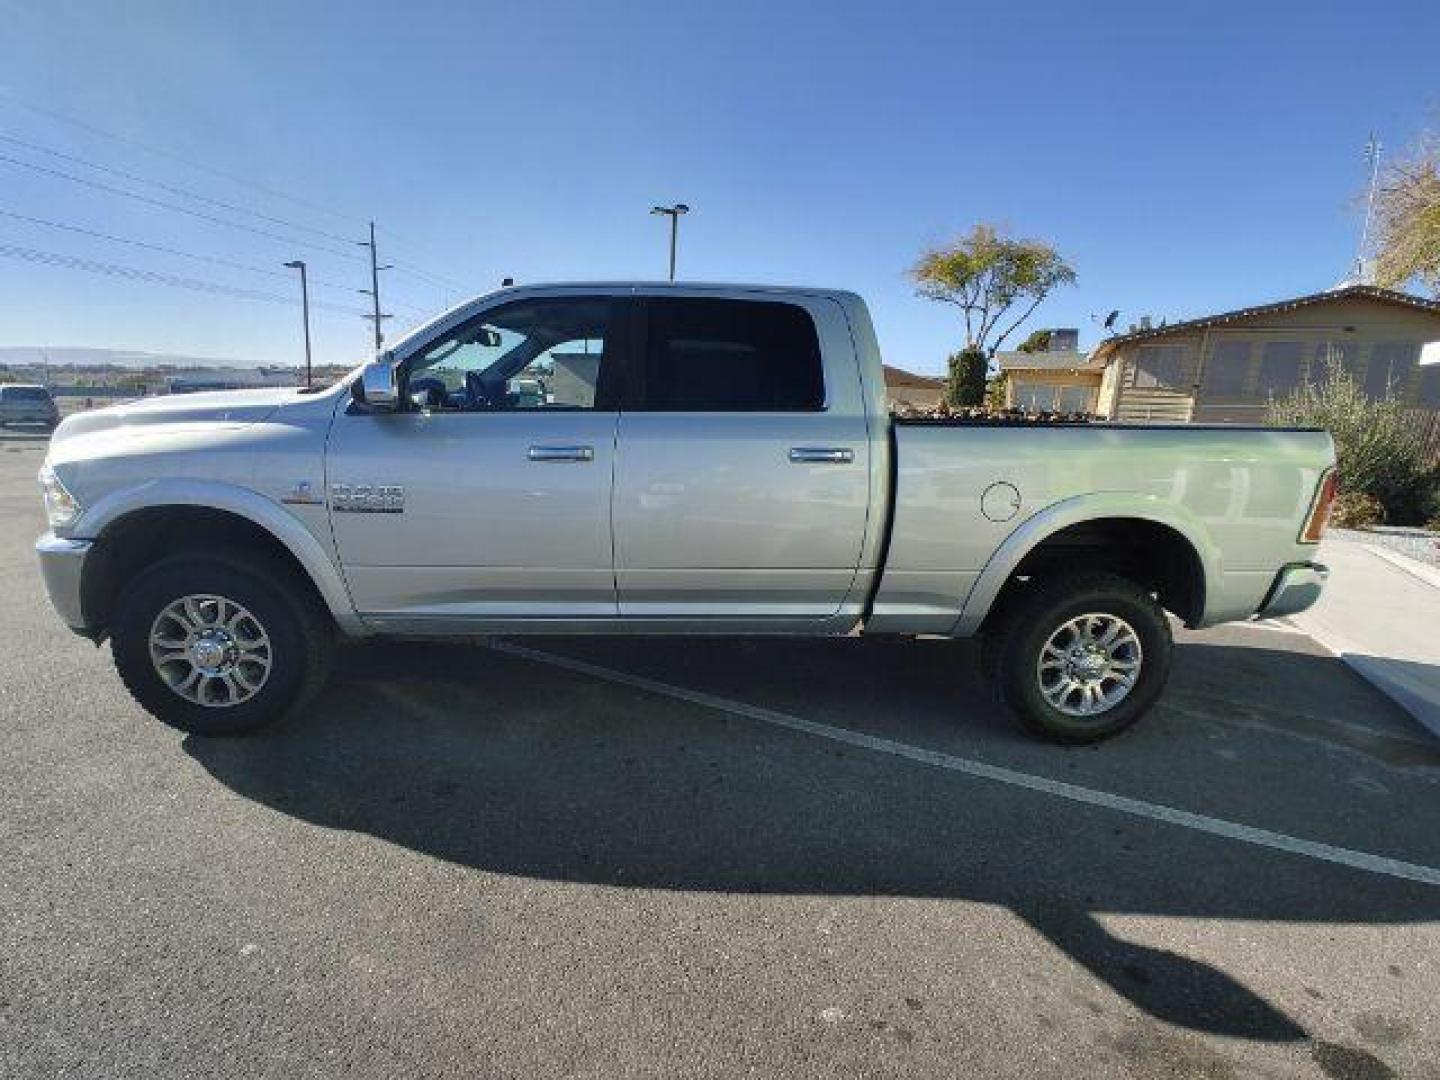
1080,658
218,644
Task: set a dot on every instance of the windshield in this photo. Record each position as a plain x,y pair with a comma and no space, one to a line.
24,393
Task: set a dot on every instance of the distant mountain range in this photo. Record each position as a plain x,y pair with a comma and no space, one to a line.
62,355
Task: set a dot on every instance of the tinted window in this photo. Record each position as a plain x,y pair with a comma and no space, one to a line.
532,354
729,356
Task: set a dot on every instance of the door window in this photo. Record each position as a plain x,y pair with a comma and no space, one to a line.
548,353
730,356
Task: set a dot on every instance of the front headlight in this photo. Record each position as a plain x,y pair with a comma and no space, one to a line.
60,506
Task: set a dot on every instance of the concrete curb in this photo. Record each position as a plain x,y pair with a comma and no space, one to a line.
1413,567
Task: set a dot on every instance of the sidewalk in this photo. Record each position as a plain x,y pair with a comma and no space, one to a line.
1380,613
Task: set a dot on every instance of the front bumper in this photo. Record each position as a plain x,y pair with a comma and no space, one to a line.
62,565
1296,588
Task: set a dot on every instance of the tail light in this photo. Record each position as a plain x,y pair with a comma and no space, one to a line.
1320,509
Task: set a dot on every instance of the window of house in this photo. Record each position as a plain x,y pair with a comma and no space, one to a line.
1279,372
1034,397
1160,366
1429,393
1388,373
1227,369
1344,355
1073,399
731,356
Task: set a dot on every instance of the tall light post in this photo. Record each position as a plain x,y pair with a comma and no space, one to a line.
299,264
673,213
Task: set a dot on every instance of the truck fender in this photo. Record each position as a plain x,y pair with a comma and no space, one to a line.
1075,511
245,503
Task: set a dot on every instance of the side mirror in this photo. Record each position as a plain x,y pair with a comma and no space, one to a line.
377,386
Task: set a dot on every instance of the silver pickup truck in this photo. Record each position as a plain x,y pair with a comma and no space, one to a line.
657,459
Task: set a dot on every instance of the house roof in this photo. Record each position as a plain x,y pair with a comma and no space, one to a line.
895,376
1347,292
1045,361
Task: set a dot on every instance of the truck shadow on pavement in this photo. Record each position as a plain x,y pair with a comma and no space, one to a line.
514,767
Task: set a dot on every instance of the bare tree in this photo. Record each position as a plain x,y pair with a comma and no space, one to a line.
1407,225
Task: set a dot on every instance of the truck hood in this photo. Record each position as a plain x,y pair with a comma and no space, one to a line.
237,407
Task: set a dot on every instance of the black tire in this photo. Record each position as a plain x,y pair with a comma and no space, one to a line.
1013,649
301,638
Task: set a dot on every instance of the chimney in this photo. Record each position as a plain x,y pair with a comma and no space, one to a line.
1066,340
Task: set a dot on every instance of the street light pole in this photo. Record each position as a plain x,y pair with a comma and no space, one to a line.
298,264
673,213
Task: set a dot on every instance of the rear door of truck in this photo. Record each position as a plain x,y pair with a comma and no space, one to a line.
742,460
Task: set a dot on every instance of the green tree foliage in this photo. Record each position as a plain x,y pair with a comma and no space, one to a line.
995,280
965,379
1407,220
996,390
1038,341
1379,450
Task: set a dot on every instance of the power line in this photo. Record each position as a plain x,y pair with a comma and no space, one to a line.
85,181
182,192
133,273
434,280
158,151
212,259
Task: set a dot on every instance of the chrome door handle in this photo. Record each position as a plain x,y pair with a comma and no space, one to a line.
822,455
561,453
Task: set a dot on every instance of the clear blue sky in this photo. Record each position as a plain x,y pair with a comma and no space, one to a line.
1186,157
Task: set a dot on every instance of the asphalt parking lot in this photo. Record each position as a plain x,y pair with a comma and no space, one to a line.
709,858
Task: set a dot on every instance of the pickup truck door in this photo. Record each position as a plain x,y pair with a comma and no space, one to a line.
494,499
742,468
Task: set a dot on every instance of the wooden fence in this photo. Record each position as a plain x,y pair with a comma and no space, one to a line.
1427,423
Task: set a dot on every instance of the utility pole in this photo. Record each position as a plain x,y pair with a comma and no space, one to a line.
374,291
673,213
1372,156
299,264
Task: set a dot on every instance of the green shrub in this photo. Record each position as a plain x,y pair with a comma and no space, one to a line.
1380,453
1356,510
965,379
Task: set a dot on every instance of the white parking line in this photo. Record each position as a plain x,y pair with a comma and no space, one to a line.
1230,830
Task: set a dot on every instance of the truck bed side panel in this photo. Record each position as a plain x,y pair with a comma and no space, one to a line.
1239,495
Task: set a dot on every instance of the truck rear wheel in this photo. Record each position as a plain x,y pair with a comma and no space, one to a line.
219,644
1080,658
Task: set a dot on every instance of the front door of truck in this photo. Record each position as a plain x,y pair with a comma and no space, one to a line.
489,497
742,485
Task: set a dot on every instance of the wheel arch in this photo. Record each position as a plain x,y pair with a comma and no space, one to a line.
133,529
1158,545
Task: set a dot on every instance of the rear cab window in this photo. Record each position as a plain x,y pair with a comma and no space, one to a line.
725,355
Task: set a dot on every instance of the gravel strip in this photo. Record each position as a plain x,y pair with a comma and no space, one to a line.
1416,543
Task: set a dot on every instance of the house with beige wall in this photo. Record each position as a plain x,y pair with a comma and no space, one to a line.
1057,378
1225,368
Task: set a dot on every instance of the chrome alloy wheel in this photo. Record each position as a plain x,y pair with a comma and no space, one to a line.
210,650
1090,664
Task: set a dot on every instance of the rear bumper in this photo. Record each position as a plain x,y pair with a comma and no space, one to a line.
1296,588
62,565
